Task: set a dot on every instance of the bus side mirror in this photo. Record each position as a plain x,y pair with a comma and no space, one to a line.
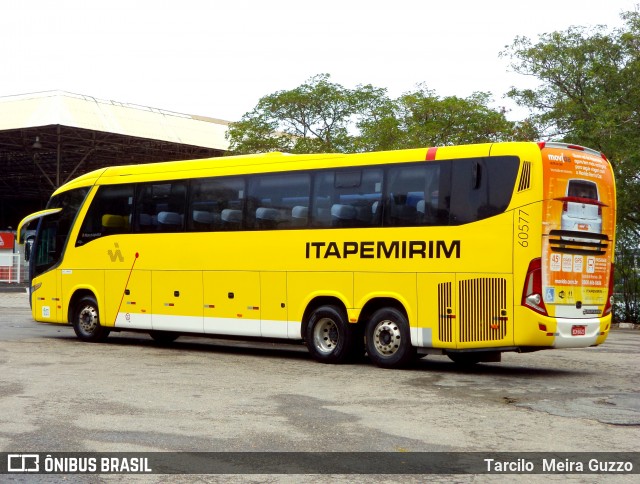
28,245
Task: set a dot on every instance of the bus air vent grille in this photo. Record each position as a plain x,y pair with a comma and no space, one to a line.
525,176
482,302
445,320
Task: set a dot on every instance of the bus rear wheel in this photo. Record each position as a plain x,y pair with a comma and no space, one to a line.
389,339
86,321
329,336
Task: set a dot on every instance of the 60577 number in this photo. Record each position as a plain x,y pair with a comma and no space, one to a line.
523,228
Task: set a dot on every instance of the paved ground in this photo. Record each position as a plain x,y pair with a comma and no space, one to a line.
14,297
131,394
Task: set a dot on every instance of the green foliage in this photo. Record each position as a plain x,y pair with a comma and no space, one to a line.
589,94
421,118
317,116
627,287
320,116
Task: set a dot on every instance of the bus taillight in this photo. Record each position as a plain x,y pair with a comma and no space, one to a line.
609,304
532,293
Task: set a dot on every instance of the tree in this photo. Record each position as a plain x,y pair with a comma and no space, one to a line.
422,118
318,116
627,305
589,94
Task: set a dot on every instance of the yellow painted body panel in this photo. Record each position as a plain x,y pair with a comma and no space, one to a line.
262,282
303,287
175,294
232,294
273,303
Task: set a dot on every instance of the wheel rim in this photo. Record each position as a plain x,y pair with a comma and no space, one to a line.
325,335
387,338
88,319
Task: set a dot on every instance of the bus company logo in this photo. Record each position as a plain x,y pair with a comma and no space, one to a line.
115,255
23,463
561,158
397,249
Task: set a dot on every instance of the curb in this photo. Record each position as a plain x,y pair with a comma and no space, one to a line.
13,289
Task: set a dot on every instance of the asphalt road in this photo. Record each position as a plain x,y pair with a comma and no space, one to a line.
132,394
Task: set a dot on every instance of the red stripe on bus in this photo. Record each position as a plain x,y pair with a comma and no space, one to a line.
431,154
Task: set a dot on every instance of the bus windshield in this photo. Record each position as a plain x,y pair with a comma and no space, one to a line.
54,229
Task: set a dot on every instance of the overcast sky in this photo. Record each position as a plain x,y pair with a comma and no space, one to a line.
217,58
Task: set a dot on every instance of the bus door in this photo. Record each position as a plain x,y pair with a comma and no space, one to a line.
47,298
232,302
47,253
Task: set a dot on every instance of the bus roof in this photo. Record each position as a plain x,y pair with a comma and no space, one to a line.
275,162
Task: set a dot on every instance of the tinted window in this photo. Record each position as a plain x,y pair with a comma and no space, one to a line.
278,201
217,204
481,187
503,171
418,194
53,230
347,198
109,213
161,207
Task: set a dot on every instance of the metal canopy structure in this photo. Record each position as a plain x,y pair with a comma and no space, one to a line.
49,138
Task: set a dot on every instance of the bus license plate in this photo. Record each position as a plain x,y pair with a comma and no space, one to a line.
578,330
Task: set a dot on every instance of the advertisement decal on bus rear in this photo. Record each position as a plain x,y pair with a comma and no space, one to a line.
578,225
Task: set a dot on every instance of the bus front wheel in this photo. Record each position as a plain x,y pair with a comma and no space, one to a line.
389,339
86,321
329,336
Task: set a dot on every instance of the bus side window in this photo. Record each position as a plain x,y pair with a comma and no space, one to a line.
347,198
481,187
502,173
109,213
216,204
414,195
272,199
469,196
161,207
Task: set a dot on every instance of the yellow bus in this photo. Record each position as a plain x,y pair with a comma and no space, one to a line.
467,251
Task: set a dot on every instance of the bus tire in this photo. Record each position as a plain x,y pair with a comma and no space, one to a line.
86,321
164,337
329,336
388,339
